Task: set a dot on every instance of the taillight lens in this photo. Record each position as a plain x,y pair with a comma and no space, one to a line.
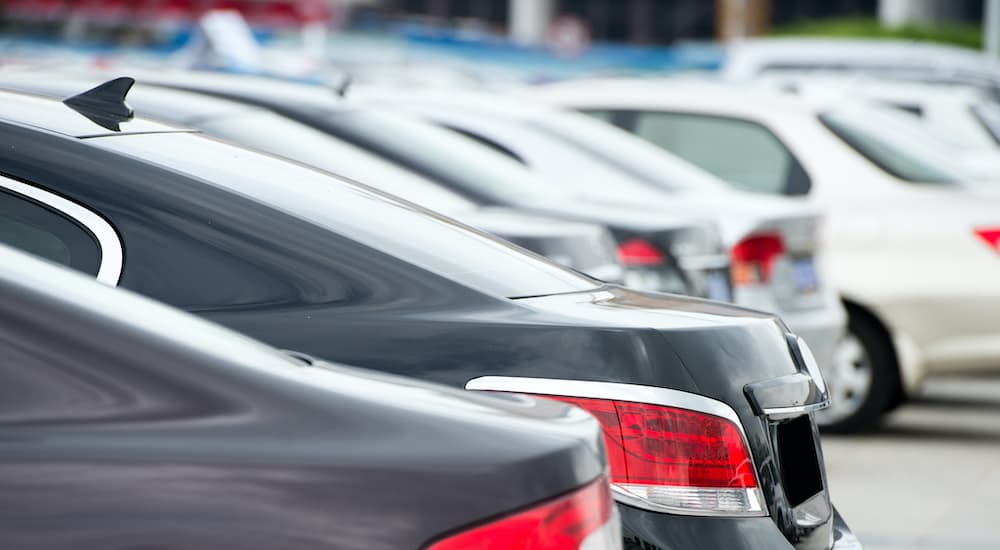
676,459
753,258
582,520
990,236
640,252
650,268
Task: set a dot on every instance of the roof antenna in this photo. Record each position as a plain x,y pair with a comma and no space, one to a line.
105,104
342,84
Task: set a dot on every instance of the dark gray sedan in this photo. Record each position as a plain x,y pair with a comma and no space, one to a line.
125,424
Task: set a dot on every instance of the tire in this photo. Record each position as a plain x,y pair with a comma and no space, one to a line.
865,382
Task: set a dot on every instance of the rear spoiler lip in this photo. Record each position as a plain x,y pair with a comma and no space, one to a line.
793,394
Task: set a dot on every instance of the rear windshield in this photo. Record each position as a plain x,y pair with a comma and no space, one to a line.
379,221
627,153
442,155
276,134
988,114
903,150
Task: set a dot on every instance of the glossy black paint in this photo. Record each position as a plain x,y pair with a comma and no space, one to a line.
585,247
175,433
320,112
323,111
279,275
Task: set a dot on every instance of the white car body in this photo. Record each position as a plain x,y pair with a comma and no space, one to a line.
904,252
916,61
608,165
962,118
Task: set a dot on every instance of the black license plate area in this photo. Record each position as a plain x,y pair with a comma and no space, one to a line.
799,460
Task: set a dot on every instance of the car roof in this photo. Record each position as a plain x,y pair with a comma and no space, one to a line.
173,106
714,96
499,105
261,88
746,58
55,116
886,89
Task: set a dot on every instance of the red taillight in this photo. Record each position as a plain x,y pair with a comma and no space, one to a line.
990,236
566,523
676,458
753,258
640,252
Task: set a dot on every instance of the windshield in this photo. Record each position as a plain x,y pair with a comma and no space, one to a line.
442,155
888,140
988,114
628,154
279,135
379,221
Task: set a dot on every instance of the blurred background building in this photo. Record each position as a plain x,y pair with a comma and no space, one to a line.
659,22
531,40
669,21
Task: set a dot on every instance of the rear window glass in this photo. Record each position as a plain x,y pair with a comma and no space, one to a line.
988,114
276,134
892,145
627,153
30,226
442,155
382,222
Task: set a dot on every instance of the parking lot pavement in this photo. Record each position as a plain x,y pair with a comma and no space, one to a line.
930,478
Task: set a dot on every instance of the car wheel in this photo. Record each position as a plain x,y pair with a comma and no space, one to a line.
862,379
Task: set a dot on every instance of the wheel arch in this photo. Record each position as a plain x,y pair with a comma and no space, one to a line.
855,308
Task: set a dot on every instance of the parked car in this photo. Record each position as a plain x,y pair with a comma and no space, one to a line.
746,60
889,201
126,424
962,121
586,247
668,253
772,241
306,261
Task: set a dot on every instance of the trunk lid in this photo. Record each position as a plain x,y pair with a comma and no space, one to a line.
746,360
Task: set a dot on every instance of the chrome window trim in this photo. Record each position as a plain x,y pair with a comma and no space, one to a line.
635,393
112,252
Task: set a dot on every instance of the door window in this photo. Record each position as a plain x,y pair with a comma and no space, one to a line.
59,230
741,152
35,228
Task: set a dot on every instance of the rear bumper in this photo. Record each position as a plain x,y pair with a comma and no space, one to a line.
843,537
643,530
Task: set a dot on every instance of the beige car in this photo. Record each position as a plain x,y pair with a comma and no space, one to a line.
913,251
